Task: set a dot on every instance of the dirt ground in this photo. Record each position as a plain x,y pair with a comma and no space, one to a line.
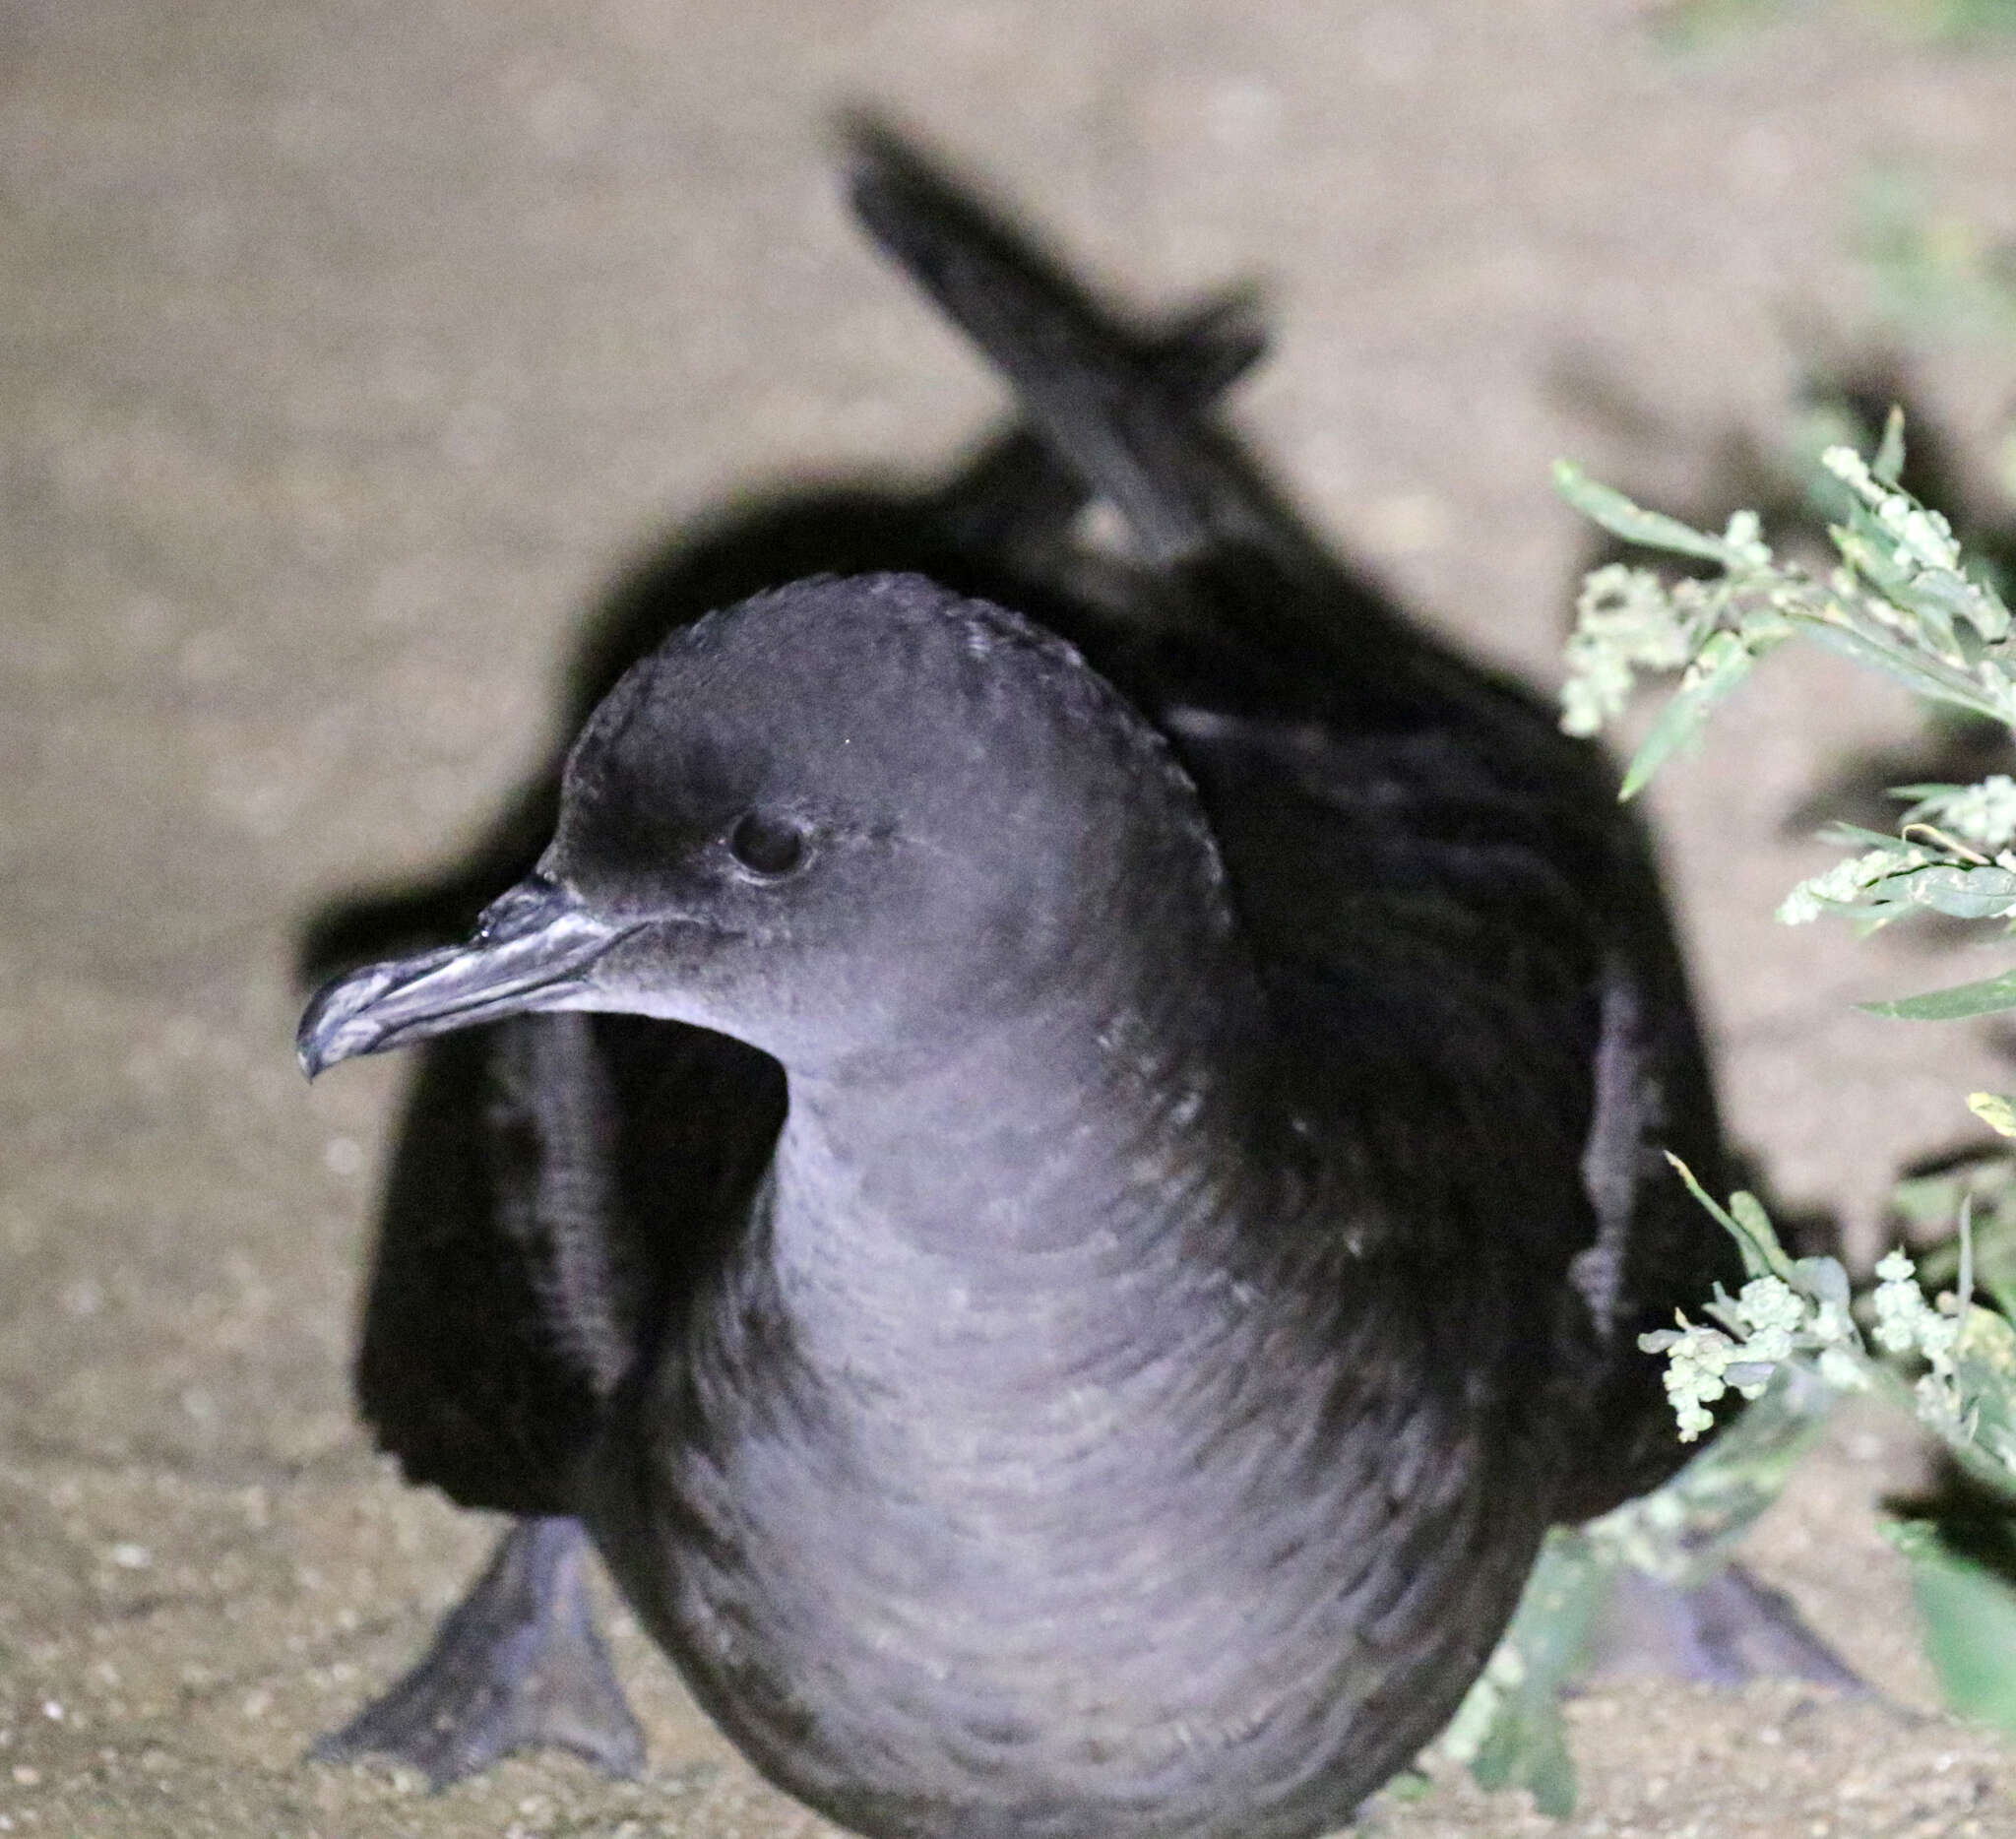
356,351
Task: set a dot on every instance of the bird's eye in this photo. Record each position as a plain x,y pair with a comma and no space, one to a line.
768,847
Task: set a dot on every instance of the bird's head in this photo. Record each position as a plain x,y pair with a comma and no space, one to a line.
847,817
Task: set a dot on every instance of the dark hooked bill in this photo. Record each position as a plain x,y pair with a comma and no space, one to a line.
527,954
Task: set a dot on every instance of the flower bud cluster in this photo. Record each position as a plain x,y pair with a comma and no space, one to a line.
1767,1323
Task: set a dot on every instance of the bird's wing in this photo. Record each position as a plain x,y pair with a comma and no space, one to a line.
1475,960
514,1286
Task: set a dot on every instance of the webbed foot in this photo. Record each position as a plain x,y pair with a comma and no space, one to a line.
1723,1631
516,1665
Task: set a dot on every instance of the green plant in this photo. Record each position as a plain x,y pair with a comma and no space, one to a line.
1904,600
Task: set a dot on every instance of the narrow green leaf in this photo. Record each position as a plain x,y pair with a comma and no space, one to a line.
1753,1224
1924,793
1969,1614
1986,997
1744,1221
1653,529
1964,891
1718,668
1707,1200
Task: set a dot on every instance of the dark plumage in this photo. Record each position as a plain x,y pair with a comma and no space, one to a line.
1226,1068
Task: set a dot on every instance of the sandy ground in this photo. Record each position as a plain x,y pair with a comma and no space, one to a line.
353,352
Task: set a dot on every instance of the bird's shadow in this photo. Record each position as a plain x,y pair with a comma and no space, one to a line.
959,535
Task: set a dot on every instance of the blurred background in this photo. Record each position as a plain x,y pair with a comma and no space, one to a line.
356,355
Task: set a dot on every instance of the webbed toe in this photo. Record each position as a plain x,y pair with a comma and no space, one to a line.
517,1665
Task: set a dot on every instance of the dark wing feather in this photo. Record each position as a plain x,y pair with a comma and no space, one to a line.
514,1286
1482,980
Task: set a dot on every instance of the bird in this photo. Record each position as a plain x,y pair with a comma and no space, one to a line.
1063,1182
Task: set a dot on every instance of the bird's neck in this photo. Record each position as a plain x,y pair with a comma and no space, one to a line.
1039,1160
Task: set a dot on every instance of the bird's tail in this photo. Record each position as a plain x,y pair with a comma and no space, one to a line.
1120,408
